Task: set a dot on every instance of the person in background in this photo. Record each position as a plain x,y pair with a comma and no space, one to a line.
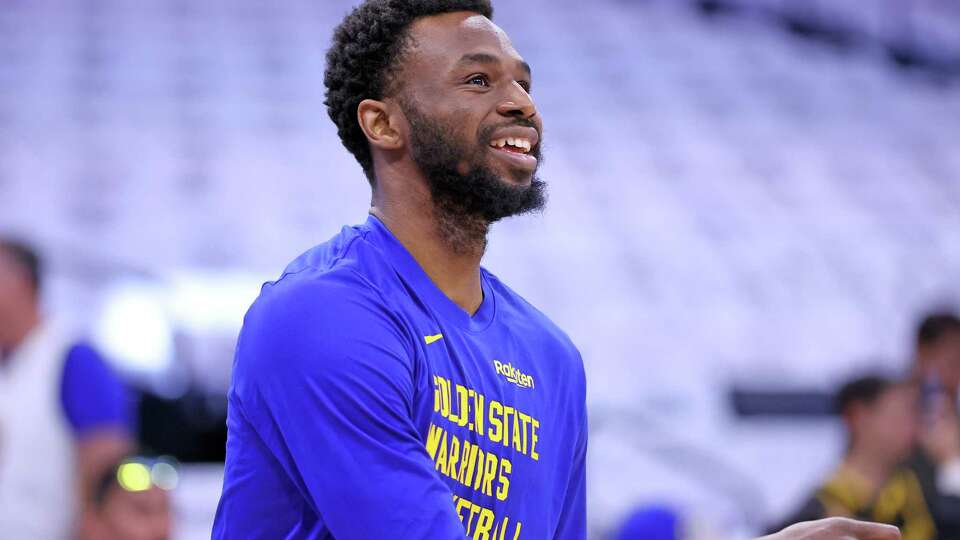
64,416
881,417
131,501
936,461
652,522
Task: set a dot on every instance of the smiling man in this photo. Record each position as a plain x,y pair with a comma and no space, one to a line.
386,385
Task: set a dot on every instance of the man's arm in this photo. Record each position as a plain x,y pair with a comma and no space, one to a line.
325,374
836,529
572,524
97,407
96,453
573,518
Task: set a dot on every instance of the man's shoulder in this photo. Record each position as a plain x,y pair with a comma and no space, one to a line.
325,307
343,270
306,303
332,295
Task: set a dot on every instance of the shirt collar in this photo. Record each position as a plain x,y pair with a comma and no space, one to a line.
413,274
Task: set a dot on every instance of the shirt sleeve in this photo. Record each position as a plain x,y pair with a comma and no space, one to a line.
325,374
573,518
93,396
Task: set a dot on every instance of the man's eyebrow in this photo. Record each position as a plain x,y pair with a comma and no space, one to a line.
485,58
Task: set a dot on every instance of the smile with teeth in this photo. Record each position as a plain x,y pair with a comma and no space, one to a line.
512,144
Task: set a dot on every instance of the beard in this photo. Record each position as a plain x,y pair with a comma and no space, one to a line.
468,196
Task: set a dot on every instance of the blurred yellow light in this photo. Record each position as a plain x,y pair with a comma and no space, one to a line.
134,476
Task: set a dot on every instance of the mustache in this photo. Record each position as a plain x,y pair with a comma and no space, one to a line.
519,122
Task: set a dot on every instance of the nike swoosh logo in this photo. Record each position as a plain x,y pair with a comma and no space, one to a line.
431,339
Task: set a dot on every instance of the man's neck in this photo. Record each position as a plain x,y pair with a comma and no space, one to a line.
869,467
452,262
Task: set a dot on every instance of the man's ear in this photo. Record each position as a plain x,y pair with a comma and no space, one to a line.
377,124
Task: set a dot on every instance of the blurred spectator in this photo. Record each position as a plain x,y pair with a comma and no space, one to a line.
64,416
881,417
131,502
938,353
937,460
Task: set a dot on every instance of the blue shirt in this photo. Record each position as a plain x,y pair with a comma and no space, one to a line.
93,397
365,404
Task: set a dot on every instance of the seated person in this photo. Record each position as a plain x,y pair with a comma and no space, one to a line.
131,501
936,461
882,420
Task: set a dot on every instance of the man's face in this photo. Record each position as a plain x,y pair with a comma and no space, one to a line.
473,128
945,359
889,426
16,295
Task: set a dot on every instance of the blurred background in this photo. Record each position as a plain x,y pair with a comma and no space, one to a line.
751,202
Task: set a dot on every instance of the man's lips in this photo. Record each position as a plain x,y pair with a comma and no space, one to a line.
518,138
516,145
516,159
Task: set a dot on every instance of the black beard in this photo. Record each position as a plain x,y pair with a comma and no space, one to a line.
467,203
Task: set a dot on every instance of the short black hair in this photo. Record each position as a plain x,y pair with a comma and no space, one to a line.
27,258
365,55
863,390
935,325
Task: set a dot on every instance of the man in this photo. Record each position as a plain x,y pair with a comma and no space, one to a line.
387,386
64,416
937,460
129,505
882,421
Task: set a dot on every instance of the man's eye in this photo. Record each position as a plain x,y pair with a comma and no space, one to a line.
479,80
525,85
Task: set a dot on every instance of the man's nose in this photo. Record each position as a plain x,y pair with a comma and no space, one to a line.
518,104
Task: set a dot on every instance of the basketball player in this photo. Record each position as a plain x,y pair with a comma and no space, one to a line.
386,385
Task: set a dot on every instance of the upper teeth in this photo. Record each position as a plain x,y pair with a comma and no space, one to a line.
517,142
